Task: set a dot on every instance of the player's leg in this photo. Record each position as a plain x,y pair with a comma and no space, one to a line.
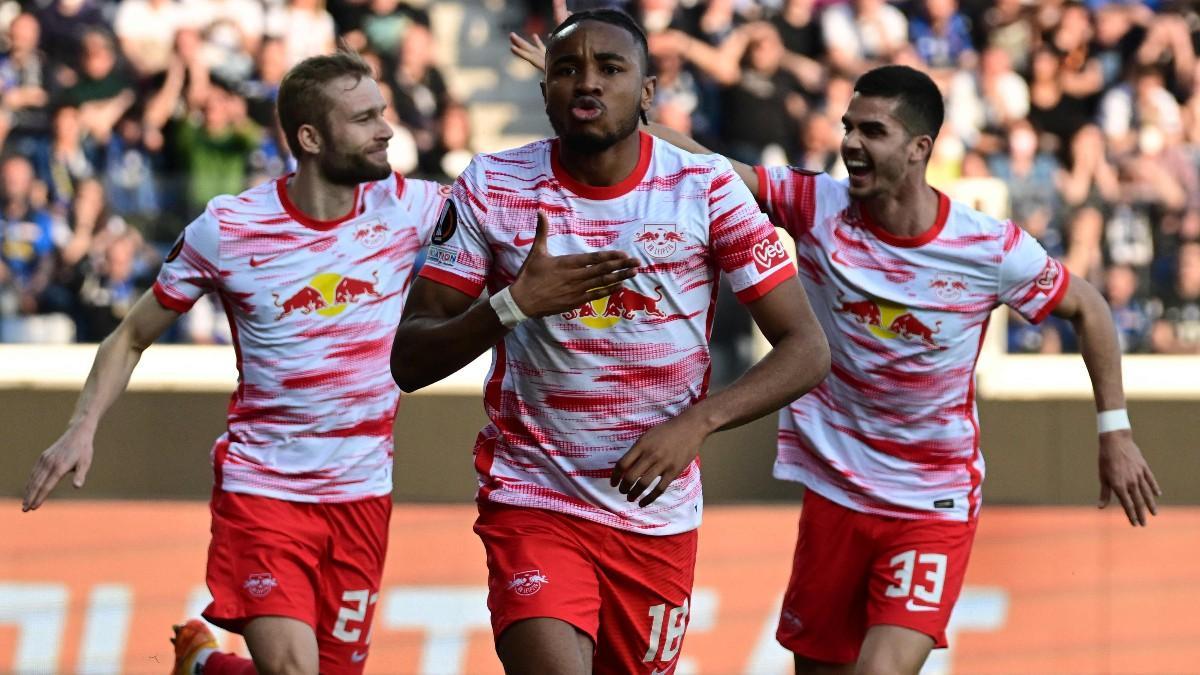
545,646
351,574
543,592
824,616
915,581
645,592
263,576
281,646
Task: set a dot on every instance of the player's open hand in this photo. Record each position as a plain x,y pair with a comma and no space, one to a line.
552,284
1125,472
71,452
533,52
658,457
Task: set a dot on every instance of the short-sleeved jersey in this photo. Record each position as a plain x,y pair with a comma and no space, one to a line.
570,393
893,430
313,307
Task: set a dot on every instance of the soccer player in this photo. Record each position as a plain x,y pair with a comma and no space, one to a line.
599,379
903,281
312,269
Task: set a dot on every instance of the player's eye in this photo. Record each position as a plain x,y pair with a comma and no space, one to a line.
610,69
566,71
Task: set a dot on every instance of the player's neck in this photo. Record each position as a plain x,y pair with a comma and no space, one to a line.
605,168
317,198
907,212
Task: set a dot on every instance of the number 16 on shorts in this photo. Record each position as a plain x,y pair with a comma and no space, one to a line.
668,624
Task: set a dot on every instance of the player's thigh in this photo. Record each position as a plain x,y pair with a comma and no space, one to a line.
263,560
539,567
810,667
893,650
281,646
351,573
645,591
824,616
546,646
917,576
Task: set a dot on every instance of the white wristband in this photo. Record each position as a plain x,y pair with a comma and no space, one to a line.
506,308
1112,420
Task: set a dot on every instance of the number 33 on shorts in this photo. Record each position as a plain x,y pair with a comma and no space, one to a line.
924,594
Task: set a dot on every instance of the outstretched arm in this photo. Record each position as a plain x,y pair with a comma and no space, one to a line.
115,360
797,362
1123,470
441,331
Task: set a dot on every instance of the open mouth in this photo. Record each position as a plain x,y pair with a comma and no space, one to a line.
859,169
586,108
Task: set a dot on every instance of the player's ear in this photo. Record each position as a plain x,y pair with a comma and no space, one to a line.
649,84
921,149
310,138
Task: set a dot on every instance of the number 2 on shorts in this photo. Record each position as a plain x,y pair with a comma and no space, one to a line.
676,626
356,614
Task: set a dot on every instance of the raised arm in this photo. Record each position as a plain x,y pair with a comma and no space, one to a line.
442,331
1123,470
115,360
797,362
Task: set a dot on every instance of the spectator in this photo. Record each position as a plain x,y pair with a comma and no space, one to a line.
1130,312
1032,177
146,32
26,255
25,86
130,174
862,34
119,274
1008,25
213,147
1141,101
70,157
420,93
983,104
103,90
942,38
1178,330
305,28
64,23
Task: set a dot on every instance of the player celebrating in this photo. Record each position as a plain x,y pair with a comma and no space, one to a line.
599,382
312,270
903,281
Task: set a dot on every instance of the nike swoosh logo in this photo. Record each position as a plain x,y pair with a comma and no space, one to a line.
522,241
914,607
356,657
262,261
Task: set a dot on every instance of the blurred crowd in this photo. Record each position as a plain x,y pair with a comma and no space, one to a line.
121,118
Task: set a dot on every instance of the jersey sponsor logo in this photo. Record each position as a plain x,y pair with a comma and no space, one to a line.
176,248
948,287
625,304
768,253
442,255
327,294
528,582
1045,281
889,321
260,584
370,234
658,239
447,223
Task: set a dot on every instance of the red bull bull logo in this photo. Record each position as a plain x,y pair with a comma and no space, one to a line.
888,320
327,294
659,239
948,287
625,304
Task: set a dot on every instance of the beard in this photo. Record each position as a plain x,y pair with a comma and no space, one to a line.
343,168
591,143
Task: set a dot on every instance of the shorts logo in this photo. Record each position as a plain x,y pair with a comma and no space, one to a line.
358,657
370,235
768,253
1049,275
527,583
659,239
260,584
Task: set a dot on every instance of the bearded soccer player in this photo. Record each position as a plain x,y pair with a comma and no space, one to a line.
903,281
597,393
312,269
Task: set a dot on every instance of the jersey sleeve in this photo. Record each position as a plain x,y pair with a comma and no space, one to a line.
788,196
431,200
192,268
459,255
1031,282
743,240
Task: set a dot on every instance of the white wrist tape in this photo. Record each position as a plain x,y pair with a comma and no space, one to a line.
506,308
1112,420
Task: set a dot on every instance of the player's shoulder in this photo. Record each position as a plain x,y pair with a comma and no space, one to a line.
397,187
531,156
965,219
260,200
670,157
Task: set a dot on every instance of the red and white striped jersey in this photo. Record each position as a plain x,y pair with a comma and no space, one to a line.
313,306
570,393
894,429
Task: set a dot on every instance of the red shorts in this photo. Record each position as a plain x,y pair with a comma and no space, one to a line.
629,592
318,563
855,570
